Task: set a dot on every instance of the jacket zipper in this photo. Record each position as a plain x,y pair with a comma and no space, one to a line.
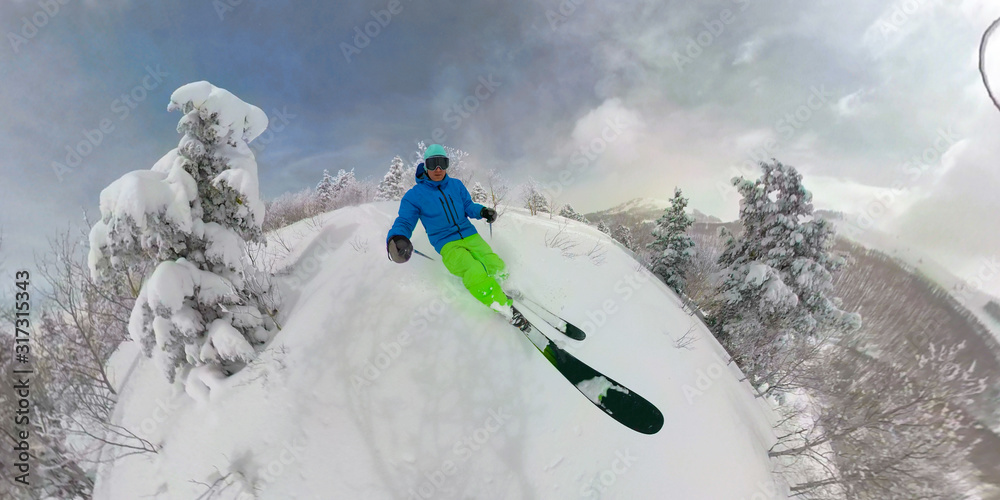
447,213
453,217
453,209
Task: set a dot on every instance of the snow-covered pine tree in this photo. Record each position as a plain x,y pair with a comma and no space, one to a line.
325,191
673,249
568,212
346,189
533,198
622,234
392,188
479,194
777,276
191,215
604,228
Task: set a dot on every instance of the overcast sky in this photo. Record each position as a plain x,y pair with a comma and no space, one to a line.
878,104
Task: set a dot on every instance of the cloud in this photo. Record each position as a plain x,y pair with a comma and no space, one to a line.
560,85
957,220
748,51
851,104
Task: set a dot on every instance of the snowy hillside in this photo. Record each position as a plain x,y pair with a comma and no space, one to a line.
968,295
391,381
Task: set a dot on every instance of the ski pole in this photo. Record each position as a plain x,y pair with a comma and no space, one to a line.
418,252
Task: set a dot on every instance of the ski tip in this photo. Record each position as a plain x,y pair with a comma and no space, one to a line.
575,333
633,411
653,426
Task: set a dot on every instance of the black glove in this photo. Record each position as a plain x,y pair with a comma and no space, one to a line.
489,214
399,248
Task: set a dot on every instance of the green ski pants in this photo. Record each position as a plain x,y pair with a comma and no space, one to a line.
472,259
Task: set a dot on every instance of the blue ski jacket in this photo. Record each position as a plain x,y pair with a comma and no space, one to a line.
443,207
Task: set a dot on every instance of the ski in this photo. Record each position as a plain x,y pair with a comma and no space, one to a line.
619,402
564,327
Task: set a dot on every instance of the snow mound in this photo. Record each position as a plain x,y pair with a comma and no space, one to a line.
391,381
233,113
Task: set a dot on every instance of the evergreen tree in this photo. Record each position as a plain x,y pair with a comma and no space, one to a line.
479,194
603,227
673,249
623,235
568,212
191,216
344,181
324,190
345,190
777,276
391,188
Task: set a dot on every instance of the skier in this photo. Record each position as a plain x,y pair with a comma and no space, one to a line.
443,205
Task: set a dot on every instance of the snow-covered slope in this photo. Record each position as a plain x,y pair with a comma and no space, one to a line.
390,381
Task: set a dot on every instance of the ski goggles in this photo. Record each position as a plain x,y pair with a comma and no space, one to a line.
436,162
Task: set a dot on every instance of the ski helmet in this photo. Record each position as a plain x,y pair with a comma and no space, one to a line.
435,150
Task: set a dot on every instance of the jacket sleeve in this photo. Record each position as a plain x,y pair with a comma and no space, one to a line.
406,221
471,209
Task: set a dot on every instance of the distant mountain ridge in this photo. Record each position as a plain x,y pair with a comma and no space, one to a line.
645,210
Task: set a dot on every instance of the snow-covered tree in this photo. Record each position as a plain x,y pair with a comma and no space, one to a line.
392,187
568,212
497,190
897,429
192,216
604,228
673,249
533,198
346,189
777,276
622,234
289,208
325,190
479,194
